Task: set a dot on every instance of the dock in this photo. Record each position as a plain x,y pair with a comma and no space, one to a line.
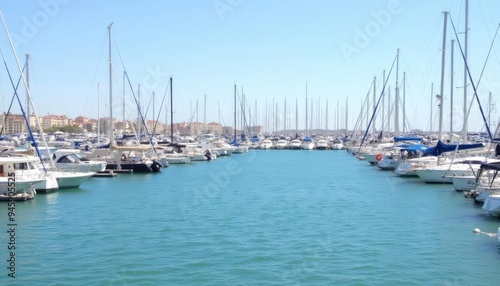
105,174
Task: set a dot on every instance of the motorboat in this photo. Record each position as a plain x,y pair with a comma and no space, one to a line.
295,144
281,144
307,143
266,144
18,176
321,144
73,160
337,144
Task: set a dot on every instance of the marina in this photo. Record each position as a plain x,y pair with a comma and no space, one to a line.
235,220
320,157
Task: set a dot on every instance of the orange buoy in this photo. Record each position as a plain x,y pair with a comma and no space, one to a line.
379,157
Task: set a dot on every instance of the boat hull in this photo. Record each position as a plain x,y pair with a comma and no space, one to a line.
492,205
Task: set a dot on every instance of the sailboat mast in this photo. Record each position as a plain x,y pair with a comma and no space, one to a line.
432,105
466,59
451,87
111,127
296,115
396,101
346,113
441,93
404,102
139,122
28,86
284,120
235,112
374,103
306,110
383,103
98,116
171,112
123,101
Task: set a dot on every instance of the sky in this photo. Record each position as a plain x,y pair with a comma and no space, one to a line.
269,49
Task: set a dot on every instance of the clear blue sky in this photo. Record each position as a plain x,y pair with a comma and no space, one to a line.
270,48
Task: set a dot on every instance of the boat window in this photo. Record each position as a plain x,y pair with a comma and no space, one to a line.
20,166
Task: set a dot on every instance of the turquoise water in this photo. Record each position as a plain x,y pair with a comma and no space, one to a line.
261,218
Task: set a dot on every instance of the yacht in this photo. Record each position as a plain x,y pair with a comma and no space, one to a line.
321,144
24,172
295,144
307,144
337,144
266,144
460,167
281,144
72,160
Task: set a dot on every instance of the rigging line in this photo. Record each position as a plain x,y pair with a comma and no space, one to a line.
25,118
378,102
161,106
481,75
140,113
13,96
361,114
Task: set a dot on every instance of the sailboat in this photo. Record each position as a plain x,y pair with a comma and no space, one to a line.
307,142
127,157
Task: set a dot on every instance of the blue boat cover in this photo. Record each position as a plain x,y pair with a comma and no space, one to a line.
403,138
441,148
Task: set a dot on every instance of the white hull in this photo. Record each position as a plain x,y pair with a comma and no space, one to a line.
463,183
308,146
388,164
337,146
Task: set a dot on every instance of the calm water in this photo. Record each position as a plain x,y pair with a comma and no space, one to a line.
261,218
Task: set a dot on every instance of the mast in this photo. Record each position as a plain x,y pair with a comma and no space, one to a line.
284,120
451,87
432,104
374,103
383,103
489,109
235,112
27,91
139,122
404,102
346,113
296,115
123,101
441,93
396,102
98,116
111,127
326,115
171,112
466,59
306,110
389,108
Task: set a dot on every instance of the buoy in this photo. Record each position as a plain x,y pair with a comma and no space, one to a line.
476,230
379,157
